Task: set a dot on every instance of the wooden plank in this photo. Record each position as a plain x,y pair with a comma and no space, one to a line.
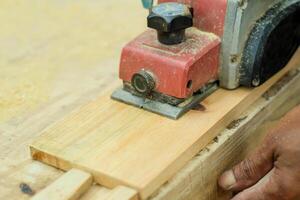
70,186
122,193
123,145
198,179
46,87
49,70
96,192
118,193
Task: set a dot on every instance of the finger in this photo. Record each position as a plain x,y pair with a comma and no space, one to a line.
249,171
268,188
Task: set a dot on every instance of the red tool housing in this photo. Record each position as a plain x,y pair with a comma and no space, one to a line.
180,70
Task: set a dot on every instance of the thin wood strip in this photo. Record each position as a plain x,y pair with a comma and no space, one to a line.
122,193
69,186
118,193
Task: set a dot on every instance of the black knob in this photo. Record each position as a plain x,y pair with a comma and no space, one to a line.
170,20
143,82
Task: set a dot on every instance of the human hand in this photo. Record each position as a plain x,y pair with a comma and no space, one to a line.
273,171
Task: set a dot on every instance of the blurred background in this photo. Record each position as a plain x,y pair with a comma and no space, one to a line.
54,57
60,48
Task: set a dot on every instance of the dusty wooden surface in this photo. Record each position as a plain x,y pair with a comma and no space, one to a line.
123,145
55,56
71,186
197,180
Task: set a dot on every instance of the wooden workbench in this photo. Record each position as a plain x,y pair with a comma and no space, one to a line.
58,55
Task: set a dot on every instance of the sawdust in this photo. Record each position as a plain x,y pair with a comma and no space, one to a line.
196,44
40,40
235,123
197,31
276,88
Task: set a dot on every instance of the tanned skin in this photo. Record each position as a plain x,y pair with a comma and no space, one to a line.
273,171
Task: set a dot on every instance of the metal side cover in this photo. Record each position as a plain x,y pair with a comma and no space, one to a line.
167,110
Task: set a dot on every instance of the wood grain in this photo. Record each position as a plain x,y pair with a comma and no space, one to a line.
118,193
120,144
198,179
70,186
49,67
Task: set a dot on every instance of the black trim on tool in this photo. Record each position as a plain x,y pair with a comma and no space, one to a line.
271,44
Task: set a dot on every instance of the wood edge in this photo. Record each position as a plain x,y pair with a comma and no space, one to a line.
247,117
123,193
148,190
83,181
64,165
47,158
118,193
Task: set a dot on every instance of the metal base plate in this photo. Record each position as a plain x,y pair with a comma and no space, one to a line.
167,110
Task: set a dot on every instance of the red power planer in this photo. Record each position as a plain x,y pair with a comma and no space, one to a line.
195,46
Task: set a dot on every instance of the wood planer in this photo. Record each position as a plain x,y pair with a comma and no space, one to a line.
195,46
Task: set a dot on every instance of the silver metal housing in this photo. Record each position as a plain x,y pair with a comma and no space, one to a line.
240,19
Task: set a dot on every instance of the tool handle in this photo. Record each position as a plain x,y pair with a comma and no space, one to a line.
147,4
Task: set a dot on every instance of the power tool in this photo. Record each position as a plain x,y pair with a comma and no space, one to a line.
192,47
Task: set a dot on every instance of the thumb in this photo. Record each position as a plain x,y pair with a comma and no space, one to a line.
249,171
269,187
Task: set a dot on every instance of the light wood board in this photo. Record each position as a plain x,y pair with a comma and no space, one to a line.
49,67
73,184
118,193
122,145
70,186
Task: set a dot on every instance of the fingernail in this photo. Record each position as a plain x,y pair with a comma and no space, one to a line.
227,180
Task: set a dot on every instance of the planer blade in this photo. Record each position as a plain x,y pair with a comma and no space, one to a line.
164,109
